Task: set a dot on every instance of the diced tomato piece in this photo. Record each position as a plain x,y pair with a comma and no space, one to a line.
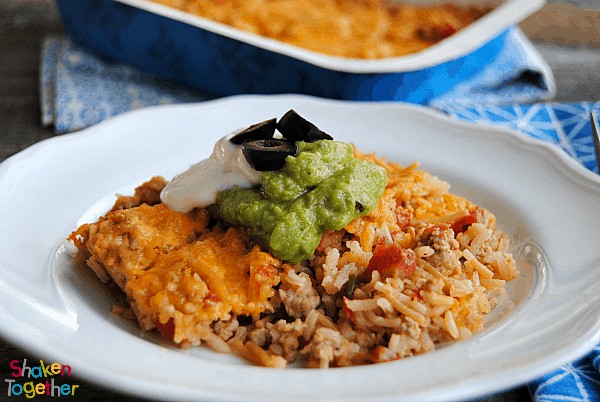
323,243
416,295
212,297
446,31
402,218
429,230
167,329
349,314
377,352
392,261
328,239
436,32
463,223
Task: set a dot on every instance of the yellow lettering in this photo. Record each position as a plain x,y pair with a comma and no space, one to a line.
29,390
73,389
40,388
55,368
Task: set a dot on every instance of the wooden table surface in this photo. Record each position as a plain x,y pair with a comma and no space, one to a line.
24,24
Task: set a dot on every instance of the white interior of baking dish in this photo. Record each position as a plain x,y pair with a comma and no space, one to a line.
504,14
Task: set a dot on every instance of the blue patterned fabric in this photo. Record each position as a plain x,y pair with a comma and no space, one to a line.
577,381
79,89
565,124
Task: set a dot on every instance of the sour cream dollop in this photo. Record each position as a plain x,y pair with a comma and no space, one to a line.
198,186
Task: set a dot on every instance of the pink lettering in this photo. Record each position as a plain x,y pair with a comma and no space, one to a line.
66,369
13,365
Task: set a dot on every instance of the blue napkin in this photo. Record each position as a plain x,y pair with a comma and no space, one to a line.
518,74
577,381
79,89
565,124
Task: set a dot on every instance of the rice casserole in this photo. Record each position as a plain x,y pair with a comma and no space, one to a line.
420,270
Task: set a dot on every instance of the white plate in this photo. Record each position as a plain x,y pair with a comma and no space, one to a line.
544,200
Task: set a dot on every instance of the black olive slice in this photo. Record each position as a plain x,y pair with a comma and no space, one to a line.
269,154
294,127
259,131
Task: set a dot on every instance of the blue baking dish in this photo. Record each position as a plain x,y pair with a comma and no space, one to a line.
221,60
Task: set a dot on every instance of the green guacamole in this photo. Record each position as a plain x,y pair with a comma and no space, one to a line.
322,188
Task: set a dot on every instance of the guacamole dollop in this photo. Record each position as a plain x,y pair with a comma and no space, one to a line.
323,187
